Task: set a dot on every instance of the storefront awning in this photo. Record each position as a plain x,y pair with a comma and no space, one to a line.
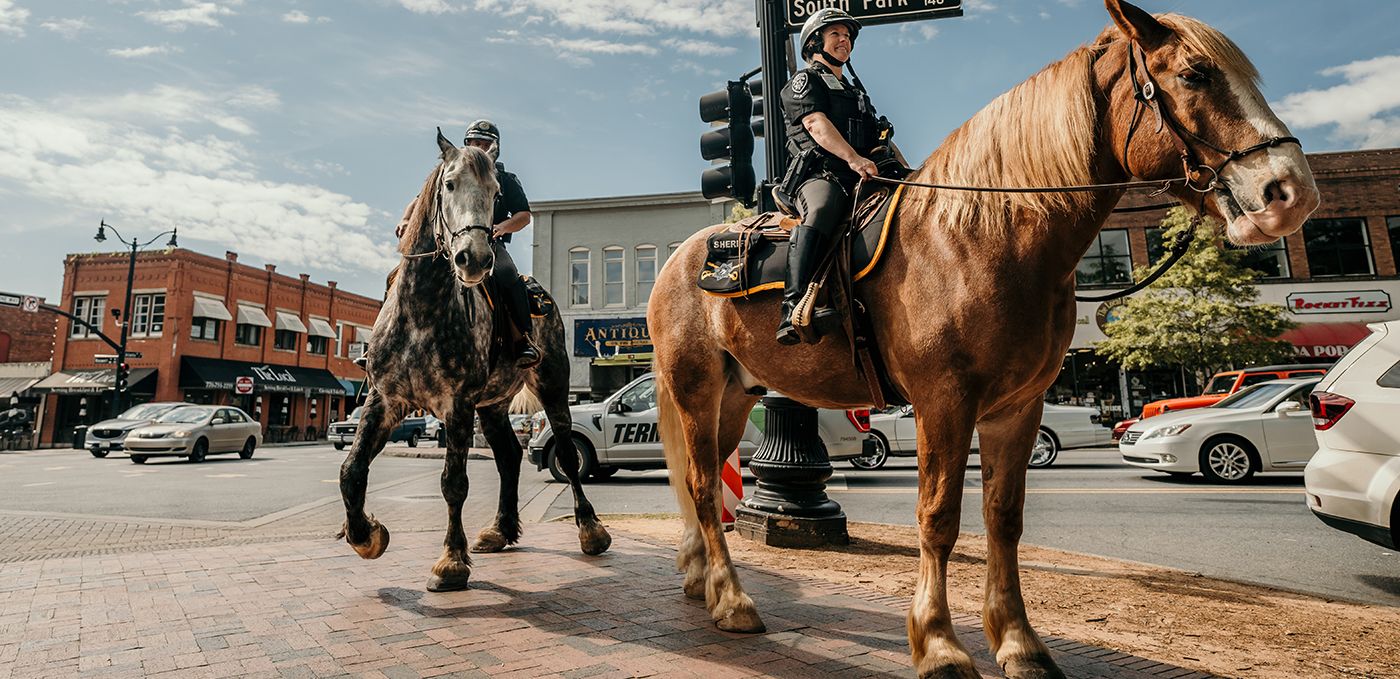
251,315
14,386
287,320
350,387
362,334
1325,340
210,373
210,308
95,381
320,328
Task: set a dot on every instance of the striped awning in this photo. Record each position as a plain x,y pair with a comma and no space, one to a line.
14,386
251,315
211,308
287,320
362,334
320,328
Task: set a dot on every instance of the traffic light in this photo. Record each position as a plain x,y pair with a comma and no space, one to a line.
123,372
734,140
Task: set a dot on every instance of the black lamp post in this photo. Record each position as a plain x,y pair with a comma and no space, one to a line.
121,370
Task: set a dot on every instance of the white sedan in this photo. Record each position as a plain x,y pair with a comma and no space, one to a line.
1061,427
1266,427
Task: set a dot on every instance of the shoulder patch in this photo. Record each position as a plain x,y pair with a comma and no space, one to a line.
800,83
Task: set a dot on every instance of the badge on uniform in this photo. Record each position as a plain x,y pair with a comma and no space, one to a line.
799,85
832,82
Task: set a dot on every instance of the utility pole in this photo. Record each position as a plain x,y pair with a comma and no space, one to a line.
123,371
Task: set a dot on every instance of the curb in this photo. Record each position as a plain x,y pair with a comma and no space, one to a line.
437,453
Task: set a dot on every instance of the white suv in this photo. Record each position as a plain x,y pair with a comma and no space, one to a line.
1353,481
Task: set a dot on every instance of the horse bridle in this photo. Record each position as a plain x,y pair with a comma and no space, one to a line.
440,226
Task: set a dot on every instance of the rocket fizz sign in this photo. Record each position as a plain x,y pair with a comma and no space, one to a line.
611,337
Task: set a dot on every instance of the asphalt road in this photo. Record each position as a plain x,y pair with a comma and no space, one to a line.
1090,502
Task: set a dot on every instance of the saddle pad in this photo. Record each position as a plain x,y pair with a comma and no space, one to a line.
751,256
541,303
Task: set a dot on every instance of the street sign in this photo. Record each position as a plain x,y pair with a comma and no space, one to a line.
243,385
873,12
6,299
105,358
30,304
133,354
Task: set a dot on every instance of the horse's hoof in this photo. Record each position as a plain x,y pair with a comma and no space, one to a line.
452,582
950,672
695,589
1038,666
593,538
741,619
377,543
489,540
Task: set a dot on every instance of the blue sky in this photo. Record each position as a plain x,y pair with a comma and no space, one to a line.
294,131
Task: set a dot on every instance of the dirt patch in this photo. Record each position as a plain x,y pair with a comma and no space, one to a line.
1167,615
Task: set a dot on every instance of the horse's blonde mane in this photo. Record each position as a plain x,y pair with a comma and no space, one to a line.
1042,132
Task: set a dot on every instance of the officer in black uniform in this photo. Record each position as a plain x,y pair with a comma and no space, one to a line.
831,131
512,213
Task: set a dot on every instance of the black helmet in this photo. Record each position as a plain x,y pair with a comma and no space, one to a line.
810,40
483,129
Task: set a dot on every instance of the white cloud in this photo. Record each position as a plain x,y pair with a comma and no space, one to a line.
1362,109
12,18
180,105
427,6
573,51
68,28
144,51
152,172
194,13
698,47
296,16
633,17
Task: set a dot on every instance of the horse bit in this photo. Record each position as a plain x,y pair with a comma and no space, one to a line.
1145,97
440,225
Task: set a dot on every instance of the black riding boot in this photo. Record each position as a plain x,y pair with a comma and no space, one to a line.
526,355
804,251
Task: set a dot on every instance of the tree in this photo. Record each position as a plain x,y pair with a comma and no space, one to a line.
1202,315
738,212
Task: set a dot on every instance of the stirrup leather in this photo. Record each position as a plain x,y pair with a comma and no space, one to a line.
805,312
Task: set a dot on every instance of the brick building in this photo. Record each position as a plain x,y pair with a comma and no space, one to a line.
199,323
1335,275
25,337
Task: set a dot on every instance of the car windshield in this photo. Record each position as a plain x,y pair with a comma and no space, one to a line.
1254,397
148,411
356,413
1220,384
186,415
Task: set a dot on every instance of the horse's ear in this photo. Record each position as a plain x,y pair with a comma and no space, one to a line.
445,145
1140,26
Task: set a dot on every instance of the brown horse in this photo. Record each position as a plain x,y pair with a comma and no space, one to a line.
973,305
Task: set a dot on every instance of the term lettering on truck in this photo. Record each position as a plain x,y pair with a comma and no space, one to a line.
636,432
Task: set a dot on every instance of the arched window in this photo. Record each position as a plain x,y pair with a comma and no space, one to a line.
612,276
646,272
578,277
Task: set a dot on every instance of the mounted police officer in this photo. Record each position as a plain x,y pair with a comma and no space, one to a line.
832,130
512,213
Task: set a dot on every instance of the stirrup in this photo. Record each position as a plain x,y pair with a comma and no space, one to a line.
528,357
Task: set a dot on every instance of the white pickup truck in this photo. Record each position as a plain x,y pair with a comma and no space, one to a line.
621,432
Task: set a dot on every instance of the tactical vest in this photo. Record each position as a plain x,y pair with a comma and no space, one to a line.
850,112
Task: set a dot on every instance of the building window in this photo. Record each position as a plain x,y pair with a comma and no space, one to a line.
340,338
1338,247
578,277
1271,261
316,345
646,272
148,314
671,250
90,310
1392,224
1108,261
285,340
612,276
205,328
1156,244
247,334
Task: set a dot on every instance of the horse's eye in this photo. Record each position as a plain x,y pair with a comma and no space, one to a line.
1194,78
449,184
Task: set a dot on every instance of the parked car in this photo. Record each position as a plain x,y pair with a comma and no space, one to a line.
1061,427
1353,482
110,435
1221,385
410,430
621,432
195,431
1262,428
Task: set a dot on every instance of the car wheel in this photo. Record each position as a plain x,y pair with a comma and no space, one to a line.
248,447
339,446
604,472
98,453
1227,460
585,461
441,438
201,448
1046,449
138,459
413,440
876,459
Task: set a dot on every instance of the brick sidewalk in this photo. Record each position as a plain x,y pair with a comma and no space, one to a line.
312,608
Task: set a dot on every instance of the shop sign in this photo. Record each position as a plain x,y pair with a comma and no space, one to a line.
270,374
1339,302
1329,351
1109,312
609,337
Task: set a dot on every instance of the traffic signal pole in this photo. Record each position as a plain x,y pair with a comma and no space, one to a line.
119,384
773,46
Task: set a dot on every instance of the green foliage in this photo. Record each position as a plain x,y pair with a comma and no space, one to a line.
1202,315
738,212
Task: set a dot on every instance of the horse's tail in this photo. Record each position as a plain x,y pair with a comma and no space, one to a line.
673,443
526,402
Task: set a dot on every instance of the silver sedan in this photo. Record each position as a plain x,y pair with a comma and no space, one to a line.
195,431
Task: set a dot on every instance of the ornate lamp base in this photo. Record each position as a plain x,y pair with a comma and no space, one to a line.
790,507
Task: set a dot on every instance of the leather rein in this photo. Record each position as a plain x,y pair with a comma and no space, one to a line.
1145,98
440,226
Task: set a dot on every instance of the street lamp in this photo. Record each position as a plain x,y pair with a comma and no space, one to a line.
135,244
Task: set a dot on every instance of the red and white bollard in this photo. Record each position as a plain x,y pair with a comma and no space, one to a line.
732,488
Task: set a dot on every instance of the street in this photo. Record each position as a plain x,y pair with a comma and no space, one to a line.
65,502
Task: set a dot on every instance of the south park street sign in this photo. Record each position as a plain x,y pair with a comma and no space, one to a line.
873,12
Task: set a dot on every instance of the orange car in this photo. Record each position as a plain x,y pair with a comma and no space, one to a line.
1225,383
